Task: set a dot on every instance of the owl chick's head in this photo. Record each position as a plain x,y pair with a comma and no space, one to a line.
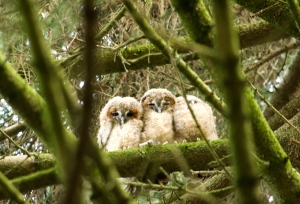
122,110
190,98
158,100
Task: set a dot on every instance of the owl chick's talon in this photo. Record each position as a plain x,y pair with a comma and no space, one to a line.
148,143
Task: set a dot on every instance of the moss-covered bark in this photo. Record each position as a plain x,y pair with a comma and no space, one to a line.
288,111
214,183
16,166
138,56
128,162
234,86
274,12
12,130
258,32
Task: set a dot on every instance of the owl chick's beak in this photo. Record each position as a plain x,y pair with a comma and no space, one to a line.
120,119
157,109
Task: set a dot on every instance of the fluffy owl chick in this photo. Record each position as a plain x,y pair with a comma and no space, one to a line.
158,116
120,124
185,126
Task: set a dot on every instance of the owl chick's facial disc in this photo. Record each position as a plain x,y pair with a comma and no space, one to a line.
158,99
120,124
122,109
121,115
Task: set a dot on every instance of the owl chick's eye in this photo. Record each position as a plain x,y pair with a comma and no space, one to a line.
114,114
130,114
166,103
151,104
192,102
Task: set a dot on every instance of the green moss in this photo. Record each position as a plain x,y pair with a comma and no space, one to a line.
196,20
278,15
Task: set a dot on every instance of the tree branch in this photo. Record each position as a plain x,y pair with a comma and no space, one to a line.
28,174
12,130
289,110
277,14
234,86
250,35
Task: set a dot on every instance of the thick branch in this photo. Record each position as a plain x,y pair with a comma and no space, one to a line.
212,184
258,32
274,12
129,162
12,130
234,85
288,111
111,62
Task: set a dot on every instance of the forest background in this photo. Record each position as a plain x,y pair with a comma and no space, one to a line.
61,61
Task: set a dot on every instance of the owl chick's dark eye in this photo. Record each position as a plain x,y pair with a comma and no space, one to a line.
192,102
130,114
151,104
166,103
114,114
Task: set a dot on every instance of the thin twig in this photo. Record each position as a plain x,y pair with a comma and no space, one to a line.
131,40
266,9
18,146
271,56
206,196
295,141
273,108
212,151
207,172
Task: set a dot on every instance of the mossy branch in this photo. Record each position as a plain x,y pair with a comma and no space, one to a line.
289,110
294,7
274,12
234,84
250,35
28,173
